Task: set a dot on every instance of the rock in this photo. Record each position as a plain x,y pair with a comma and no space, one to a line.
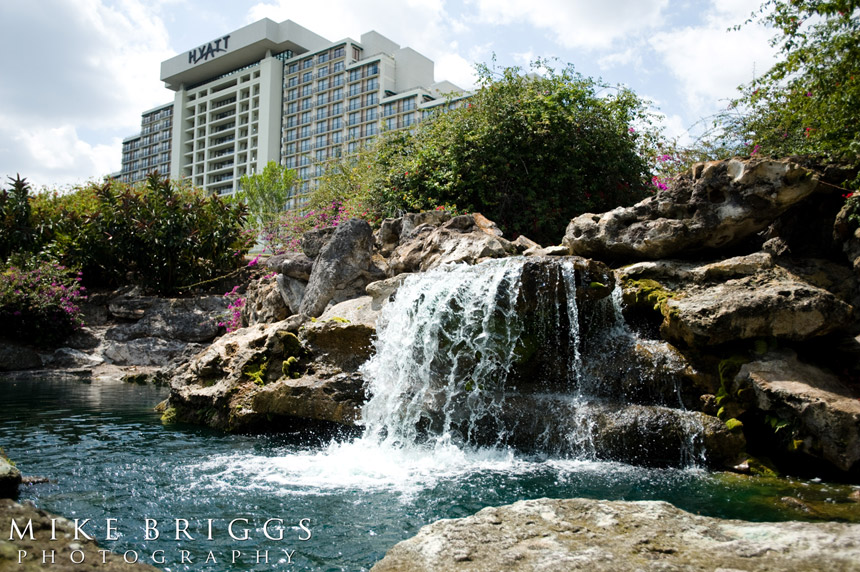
262,378
292,292
548,251
264,303
180,319
130,306
740,298
388,236
549,535
10,478
523,243
343,336
343,268
486,225
64,545
382,291
459,239
144,351
411,221
715,207
314,240
71,358
847,234
293,264
823,412
16,358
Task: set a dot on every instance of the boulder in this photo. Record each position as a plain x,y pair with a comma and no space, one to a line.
264,303
460,239
14,357
71,358
715,207
550,535
343,336
292,292
741,298
10,478
821,412
343,268
314,240
146,351
846,233
293,264
263,378
180,319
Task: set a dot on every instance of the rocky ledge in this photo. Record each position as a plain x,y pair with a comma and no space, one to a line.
615,536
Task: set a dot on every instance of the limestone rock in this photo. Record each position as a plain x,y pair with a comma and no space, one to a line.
823,411
144,351
740,298
16,358
460,239
549,535
72,358
264,303
180,319
343,336
292,292
293,264
10,478
262,377
847,234
343,268
313,241
716,206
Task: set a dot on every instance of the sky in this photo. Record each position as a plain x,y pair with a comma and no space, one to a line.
75,75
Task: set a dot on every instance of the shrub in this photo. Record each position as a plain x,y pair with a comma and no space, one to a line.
39,304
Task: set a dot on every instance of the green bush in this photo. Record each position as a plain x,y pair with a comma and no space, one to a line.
528,151
160,235
39,304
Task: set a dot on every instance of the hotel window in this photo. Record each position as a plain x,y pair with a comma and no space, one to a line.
291,135
339,52
322,58
389,109
371,99
293,68
354,103
322,154
351,147
336,137
408,104
354,118
370,114
353,133
336,108
290,148
355,89
319,170
307,90
372,69
307,104
307,64
322,85
306,159
306,117
304,172
338,66
292,107
408,119
336,123
372,84
321,141
370,129
290,163
293,81
322,126
356,53
391,123
307,76
337,94
292,94
354,75
305,132
322,113
322,99
337,80
322,72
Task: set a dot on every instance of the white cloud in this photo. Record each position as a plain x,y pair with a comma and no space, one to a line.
580,24
709,61
78,65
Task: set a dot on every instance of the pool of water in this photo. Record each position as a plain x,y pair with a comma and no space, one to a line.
108,456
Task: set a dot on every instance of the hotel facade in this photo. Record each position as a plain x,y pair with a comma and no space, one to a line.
279,92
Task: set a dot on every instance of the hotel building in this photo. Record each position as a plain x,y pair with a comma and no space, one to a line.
279,92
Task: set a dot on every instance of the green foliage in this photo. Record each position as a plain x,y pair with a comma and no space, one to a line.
161,235
734,424
267,194
809,102
528,151
39,303
16,234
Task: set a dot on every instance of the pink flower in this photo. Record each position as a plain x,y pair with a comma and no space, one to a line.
255,261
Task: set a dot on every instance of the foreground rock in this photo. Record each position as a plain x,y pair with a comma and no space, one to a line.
577,534
64,548
10,478
715,207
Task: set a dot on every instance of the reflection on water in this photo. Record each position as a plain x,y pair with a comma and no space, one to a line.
111,458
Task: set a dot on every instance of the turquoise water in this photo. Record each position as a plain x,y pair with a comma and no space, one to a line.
110,457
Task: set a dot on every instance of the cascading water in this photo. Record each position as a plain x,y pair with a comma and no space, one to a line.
492,355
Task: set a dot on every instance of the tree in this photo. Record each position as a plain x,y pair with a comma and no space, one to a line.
267,193
529,151
809,102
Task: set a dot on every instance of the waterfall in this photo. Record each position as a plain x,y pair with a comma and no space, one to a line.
500,354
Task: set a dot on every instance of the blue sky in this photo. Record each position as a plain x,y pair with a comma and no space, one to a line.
75,75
